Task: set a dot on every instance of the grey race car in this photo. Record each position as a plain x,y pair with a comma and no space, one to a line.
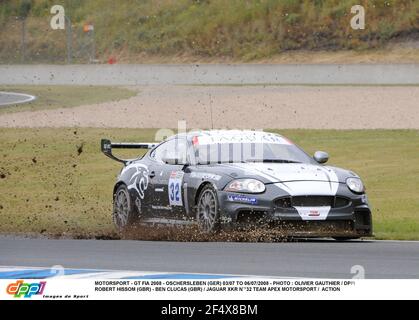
233,178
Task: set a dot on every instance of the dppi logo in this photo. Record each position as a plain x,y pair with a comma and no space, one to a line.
27,290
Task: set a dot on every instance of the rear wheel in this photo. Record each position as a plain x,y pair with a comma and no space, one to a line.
123,210
208,212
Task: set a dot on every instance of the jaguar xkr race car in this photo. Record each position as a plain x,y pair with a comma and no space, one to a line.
230,178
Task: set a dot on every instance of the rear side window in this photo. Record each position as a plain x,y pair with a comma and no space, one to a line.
174,149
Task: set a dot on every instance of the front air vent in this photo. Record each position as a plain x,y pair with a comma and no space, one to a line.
341,202
312,201
283,202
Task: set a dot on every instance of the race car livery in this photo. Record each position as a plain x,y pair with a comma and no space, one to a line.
234,178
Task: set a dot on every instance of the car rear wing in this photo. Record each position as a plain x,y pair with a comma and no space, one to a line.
107,146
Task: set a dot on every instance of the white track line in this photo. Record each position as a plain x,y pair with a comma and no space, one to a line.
27,98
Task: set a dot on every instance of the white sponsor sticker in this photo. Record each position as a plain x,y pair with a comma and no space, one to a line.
205,176
240,137
175,188
313,213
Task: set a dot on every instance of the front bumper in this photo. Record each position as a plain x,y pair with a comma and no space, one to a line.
349,218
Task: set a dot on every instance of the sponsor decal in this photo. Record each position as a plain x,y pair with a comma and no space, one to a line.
313,213
219,137
21,289
242,198
176,174
161,207
205,176
175,188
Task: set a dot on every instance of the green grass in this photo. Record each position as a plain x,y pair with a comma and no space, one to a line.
243,30
52,97
46,187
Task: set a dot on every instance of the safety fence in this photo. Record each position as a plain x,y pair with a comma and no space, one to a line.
32,40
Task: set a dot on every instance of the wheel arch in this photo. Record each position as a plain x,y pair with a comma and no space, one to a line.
202,186
117,185
122,183
215,223
132,210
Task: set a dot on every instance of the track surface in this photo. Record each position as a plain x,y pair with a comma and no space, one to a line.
317,259
147,74
309,107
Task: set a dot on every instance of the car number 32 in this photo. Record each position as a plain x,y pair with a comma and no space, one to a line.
175,190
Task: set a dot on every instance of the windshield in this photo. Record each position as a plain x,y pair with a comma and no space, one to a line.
250,152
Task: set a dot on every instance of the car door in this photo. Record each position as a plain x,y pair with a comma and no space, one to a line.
167,180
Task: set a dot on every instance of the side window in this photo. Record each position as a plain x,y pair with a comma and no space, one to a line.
172,149
156,154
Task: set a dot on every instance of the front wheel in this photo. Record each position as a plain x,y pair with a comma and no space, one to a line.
208,212
123,210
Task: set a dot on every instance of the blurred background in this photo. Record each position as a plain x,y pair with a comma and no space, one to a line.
136,31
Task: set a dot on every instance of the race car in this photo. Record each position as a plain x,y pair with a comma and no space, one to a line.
231,178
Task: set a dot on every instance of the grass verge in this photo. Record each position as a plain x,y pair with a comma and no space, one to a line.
56,181
52,97
251,30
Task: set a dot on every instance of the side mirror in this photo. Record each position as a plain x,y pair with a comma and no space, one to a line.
321,156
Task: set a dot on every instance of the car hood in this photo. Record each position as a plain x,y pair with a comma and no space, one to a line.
286,172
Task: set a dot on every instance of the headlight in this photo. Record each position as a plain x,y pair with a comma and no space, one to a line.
245,186
355,185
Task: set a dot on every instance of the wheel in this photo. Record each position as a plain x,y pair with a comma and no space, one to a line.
123,210
208,212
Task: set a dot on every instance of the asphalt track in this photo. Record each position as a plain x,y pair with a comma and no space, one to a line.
313,259
198,74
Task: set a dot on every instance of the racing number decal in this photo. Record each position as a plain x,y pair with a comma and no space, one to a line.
175,188
174,192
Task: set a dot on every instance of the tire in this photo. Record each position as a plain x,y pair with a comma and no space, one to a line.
208,210
124,213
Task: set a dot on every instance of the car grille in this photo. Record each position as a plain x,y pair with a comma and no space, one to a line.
312,201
